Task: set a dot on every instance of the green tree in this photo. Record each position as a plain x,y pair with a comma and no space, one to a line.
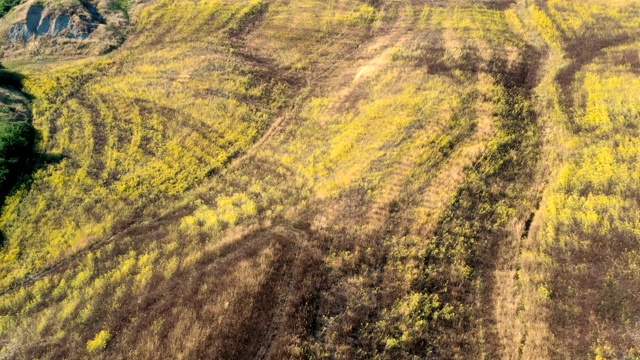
17,137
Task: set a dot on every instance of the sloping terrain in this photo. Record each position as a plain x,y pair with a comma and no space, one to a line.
47,29
342,179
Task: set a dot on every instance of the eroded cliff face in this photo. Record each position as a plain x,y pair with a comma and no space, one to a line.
36,28
41,21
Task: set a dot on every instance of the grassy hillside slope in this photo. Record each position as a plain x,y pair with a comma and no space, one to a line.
341,179
578,262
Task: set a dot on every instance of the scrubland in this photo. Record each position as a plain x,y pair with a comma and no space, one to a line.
334,179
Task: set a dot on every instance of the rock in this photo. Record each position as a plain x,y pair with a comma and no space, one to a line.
62,28
45,22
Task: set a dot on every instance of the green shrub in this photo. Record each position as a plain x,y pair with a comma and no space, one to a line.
16,148
6,5
17,138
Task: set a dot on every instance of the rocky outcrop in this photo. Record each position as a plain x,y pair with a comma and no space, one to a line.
41,21
62,28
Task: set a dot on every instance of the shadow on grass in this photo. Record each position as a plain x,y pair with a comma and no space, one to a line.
24,178
20,154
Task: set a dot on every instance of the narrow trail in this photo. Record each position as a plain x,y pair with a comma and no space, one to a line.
80,253
400,33
512,312
383,46
382,49
276,126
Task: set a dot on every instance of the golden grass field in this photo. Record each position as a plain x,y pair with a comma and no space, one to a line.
333,179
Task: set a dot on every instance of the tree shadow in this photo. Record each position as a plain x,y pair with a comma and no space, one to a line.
24,179
20,153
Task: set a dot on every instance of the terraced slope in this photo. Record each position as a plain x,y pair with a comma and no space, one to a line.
343,179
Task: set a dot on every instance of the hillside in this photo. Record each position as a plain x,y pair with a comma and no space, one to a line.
237,179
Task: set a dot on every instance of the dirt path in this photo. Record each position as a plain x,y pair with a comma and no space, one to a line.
381,45
521,331
374,57
382,50
378,54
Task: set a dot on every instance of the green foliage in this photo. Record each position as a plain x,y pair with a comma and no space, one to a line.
6,5
17,135
420,316
122,5
16,150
